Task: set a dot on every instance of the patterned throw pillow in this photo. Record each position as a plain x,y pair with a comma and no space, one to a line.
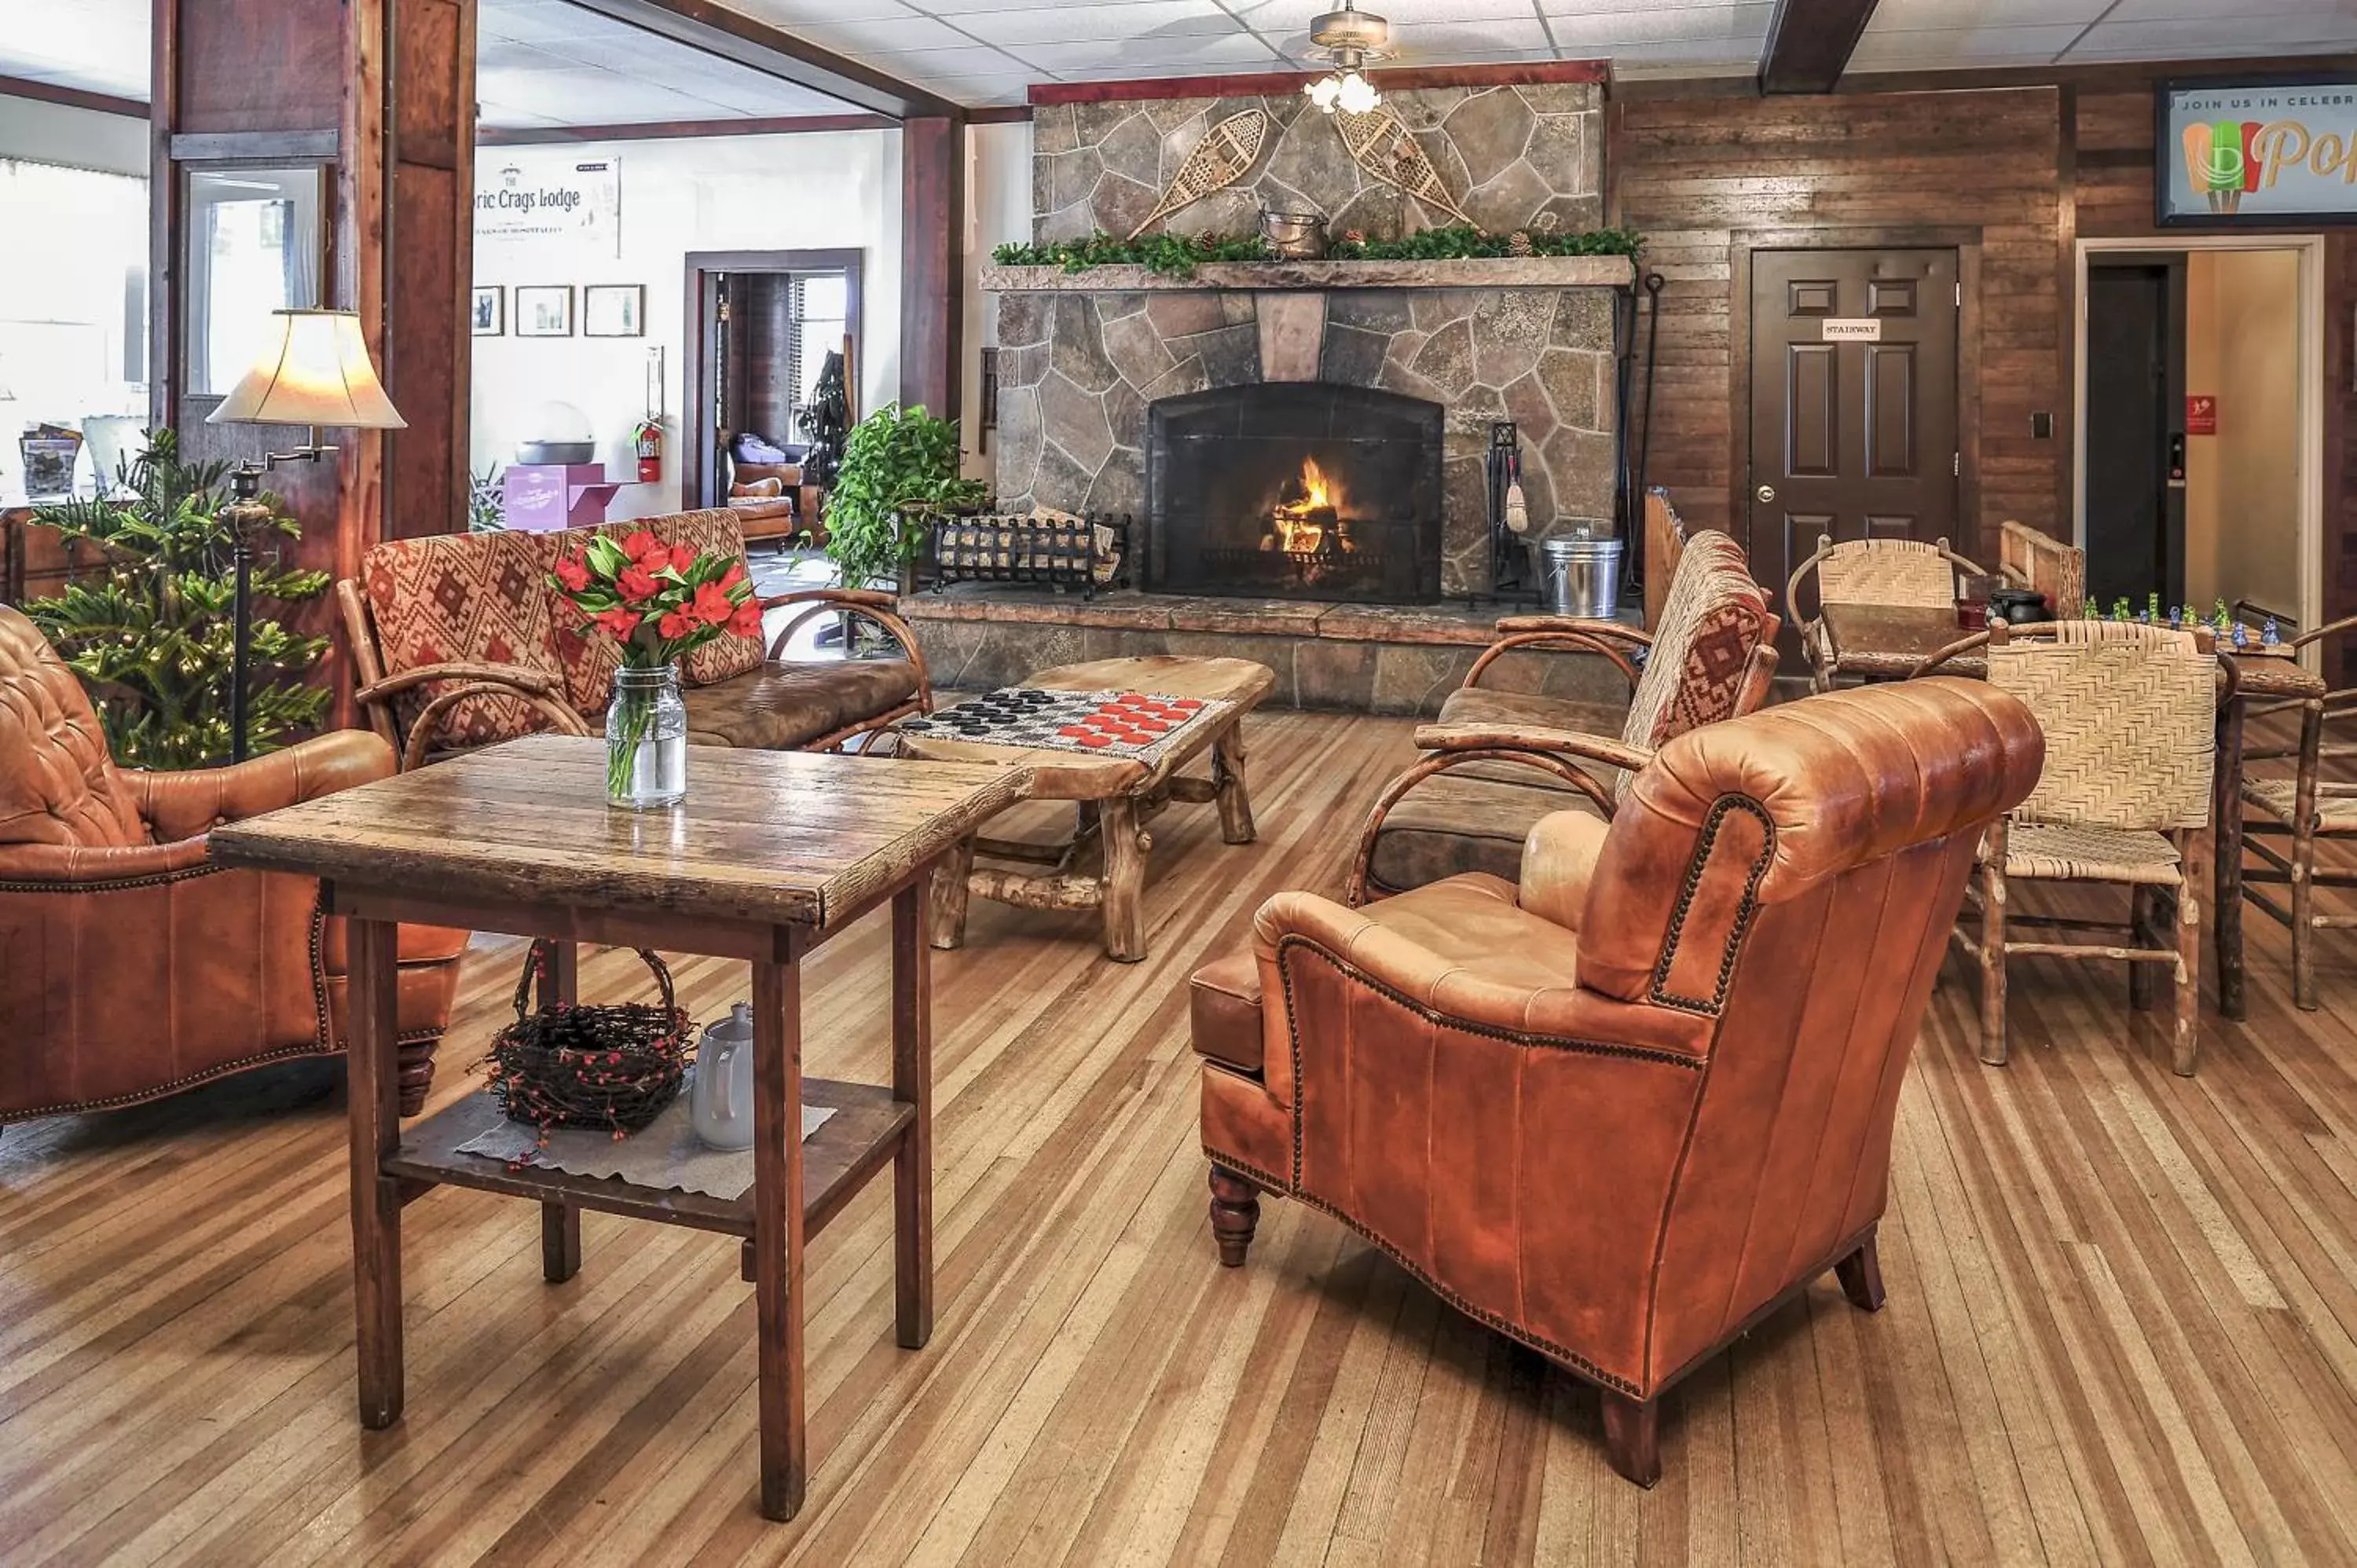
590,660
1713,619
479,598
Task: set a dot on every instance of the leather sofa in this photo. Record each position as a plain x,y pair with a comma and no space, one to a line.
130,966
1621,1110
459,640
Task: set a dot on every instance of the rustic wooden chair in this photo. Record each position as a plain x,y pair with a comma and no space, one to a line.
2303,809
2130,715
1665,542
2028,559
1869,571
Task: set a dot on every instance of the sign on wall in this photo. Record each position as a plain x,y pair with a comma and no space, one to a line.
2256,153
2200,414
522,197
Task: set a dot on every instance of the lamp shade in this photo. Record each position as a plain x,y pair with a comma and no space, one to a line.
315,371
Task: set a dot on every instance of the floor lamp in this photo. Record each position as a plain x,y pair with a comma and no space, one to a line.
315,371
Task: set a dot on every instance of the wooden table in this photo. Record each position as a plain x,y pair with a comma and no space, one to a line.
1116,795
771,854
1887,641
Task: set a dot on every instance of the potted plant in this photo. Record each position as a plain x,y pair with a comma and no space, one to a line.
899,467
150,632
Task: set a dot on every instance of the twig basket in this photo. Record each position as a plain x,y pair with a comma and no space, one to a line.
612,1066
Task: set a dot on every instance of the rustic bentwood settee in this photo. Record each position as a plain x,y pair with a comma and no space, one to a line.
1621,1110
130,967
458,641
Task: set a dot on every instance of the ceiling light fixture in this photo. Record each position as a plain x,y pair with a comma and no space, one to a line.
1349,39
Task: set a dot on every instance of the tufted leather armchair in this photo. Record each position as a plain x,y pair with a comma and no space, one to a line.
130,967
1621,1110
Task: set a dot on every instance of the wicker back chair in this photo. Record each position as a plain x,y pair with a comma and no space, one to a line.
2130,716
2301,809
1869,571
2028,559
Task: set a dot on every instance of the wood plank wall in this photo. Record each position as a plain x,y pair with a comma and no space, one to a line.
2018,172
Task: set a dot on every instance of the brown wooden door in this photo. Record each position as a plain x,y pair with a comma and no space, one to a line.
1852,403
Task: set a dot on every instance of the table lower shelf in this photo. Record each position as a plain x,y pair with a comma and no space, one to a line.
850,1146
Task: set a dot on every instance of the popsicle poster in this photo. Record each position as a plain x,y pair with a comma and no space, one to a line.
2276,152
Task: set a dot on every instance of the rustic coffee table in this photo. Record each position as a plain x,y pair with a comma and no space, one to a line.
1102,866
771,854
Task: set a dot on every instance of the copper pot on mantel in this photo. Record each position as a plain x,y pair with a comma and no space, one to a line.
1293,236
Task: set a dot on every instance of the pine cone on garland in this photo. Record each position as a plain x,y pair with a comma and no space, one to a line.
1518,244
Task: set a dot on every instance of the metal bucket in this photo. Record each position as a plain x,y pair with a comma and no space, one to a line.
1582,575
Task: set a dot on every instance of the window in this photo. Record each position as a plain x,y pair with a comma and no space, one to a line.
820,319
73,305
255,246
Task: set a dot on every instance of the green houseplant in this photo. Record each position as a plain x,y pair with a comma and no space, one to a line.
899,466
150,632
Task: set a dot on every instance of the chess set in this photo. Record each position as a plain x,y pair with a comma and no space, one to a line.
1138,725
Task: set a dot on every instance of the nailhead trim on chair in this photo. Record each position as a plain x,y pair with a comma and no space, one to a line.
165,1090
118,885
1744,910
1570,1360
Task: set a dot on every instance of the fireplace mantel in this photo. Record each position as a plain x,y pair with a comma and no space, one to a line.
1474,272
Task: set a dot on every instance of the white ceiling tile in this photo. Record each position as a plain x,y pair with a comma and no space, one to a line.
1182,56
1965,45
2189,38
884,35
797,13
1144,23
1273,17
966,60
979,91
2197,10
1905,16
1635,29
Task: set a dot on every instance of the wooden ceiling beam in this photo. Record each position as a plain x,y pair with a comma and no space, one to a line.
733,36
1810,43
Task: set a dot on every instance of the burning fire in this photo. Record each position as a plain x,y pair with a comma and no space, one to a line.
1310,523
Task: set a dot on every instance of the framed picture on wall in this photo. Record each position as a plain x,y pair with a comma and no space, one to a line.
2256,152
490,314
614,310
543,311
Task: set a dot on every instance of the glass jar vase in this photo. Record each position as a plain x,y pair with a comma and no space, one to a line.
645,740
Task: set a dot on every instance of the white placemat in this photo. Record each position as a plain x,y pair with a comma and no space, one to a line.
666,1154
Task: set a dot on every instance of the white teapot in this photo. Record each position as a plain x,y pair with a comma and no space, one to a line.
720,1101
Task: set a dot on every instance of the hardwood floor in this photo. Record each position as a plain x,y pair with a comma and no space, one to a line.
2122,1323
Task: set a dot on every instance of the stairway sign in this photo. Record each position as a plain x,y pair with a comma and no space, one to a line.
1852,330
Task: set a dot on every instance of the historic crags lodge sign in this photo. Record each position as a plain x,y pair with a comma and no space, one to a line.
2249,153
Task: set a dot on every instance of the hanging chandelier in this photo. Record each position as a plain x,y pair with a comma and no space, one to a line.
1349,39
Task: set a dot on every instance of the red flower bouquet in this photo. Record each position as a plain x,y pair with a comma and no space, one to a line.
659,603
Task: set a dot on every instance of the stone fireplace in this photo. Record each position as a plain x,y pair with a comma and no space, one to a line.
1302,445
1295,490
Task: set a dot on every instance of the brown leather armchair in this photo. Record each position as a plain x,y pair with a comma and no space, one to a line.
130,967
1621,1110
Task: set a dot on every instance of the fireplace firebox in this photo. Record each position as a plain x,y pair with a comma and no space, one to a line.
1295,489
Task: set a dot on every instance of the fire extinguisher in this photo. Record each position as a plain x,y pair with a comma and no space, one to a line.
648,440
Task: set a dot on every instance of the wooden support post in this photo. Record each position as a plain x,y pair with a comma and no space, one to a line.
932,278
1992,896
2226,816
1228,782
375,1128
2194,850
777,1227
1125,848
560,1224
950,895
1235,1215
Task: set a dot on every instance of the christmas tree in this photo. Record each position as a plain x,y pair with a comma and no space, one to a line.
151,633
824,423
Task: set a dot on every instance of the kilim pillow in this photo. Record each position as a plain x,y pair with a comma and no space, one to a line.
479,598
1714,616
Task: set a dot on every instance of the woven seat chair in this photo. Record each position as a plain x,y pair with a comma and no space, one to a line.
1869,571
2301,809
2129,713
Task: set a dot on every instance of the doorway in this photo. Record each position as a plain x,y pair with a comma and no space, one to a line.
2200,477
2136,429
1853,396
764,324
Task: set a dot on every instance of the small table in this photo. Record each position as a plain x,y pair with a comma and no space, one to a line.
772,854
1887,641
1115,794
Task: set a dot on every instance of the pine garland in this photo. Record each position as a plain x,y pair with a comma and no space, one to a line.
152,634
1177,256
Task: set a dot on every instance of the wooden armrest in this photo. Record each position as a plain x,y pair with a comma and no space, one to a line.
1565,639
530,682
1532,738
850,599
2329,628
1548,760
1509,625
